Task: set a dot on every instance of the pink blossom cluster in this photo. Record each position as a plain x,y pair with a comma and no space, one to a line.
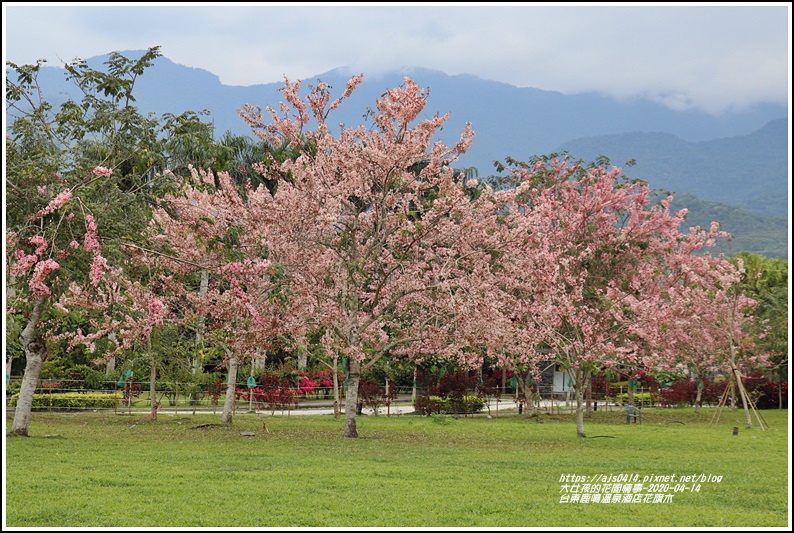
36,283
23,262
156,310
60,307
89,341
237,268
102,171
56,203
40,243
99,266
354,82
91,238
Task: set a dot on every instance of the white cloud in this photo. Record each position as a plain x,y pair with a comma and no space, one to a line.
712,58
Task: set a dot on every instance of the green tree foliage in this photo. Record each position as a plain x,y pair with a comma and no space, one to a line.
81,179
766,236
49,147
766,281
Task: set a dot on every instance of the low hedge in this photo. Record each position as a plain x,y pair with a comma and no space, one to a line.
644,399
454,405
73,400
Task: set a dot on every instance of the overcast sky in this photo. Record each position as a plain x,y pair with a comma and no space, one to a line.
716,58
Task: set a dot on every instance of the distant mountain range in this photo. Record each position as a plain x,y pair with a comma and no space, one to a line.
736,163
753,233
748,170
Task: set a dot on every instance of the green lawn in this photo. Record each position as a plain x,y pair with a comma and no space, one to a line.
126,471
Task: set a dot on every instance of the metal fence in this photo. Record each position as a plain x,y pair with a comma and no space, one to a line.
75,395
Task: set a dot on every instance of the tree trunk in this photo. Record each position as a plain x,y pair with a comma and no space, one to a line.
205,280
303,359
337,410
9,363
259,362
742,391
526,392
35,354
743,396
11,293
779,392
698,400
110,366
351,399
152,382
413,389
699,396
589,398
532,405
581,377
231,382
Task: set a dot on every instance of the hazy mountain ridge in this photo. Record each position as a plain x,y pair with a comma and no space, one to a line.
508,120
766,236
749,170
739,159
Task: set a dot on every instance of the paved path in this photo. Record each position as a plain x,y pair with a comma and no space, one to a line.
402,408
326,408
397,410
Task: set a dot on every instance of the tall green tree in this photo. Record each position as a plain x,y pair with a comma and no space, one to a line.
766,281
81,178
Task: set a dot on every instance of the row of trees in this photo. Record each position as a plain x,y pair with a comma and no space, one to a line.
355,246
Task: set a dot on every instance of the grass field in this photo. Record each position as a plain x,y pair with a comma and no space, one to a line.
108,470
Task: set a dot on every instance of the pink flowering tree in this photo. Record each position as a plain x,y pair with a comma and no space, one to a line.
365,221
512,287
595,251
44,252
126,312
219,230
708,322
189,230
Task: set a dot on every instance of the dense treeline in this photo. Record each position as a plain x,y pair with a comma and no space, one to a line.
349,249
